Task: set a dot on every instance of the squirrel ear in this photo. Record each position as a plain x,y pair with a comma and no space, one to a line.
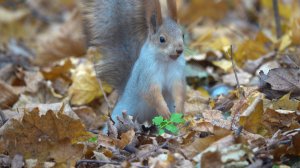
153,14
172,8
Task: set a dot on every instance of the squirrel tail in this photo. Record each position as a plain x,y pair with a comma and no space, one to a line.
119,29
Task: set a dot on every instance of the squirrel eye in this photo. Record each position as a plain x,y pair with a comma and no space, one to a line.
162,39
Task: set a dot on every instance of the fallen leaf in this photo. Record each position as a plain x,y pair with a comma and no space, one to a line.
224,64
244,78
8,95
43,131
200,144
251,118
85,87
126,138
198,8
283,80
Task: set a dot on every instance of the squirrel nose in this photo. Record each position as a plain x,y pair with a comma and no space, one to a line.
179,51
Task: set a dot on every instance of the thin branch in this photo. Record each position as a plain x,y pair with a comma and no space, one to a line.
277,18
235,73
101,86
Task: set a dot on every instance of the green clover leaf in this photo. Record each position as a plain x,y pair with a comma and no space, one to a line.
158,120
172,128
161,131
177,118
93,139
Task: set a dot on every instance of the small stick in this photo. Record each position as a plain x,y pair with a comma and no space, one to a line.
101,86
277,18
235,73
238,85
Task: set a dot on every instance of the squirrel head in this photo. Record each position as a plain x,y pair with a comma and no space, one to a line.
165,34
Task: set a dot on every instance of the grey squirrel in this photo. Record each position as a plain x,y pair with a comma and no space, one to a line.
142,55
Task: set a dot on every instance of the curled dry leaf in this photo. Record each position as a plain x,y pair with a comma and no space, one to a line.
43,132
280,81
126,138
85,87
284,120
200,144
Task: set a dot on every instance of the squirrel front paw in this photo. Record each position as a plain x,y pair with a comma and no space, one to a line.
165,114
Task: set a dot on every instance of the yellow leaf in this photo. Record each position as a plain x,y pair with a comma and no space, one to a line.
249,50
295,31
220,43
285,10
85,87
285,103
285,42
251,118
203,92
224,64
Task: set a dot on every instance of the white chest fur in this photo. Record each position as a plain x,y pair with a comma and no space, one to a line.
149,69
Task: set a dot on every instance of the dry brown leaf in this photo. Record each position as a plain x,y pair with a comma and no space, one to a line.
202,8
225,152
280,81
59,70
89,117
33,81
126,138
8,95
275,120
201,144
43,131
61,42
45,94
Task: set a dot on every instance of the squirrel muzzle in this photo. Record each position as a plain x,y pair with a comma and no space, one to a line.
179,51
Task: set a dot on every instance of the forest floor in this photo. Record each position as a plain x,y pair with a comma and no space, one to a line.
242,107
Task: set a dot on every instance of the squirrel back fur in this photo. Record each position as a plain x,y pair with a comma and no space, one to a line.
119,29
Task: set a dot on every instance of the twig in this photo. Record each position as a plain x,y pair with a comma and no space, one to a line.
101,86
95,162
235,73
277,18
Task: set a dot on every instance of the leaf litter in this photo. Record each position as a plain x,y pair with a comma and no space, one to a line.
52,108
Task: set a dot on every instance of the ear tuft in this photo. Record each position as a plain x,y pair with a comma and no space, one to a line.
153,14
153,23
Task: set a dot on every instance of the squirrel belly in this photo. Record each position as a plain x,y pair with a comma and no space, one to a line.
150,69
